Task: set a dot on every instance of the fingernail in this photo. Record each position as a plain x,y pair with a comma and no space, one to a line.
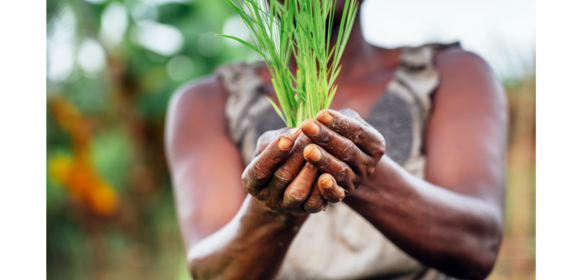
325,118
311,129
295,132
312,153
284,144
326,183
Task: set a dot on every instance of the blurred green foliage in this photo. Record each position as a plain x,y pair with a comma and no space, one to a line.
123,103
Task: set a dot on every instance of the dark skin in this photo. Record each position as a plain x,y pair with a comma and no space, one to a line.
241,229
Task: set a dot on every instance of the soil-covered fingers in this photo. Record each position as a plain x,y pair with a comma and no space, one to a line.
272,194
327,163
356,129
315,202
269,136
329,189
290,167
259,171
297,192
339,146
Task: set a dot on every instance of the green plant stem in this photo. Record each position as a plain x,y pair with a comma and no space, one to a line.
301,28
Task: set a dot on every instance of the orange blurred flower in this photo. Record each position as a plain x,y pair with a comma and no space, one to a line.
77,173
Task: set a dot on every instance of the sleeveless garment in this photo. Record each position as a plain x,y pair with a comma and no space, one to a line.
339,243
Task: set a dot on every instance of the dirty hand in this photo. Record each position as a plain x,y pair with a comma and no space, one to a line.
345,148
280,178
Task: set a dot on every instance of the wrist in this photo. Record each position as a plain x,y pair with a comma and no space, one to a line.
380,175
263,216
380,180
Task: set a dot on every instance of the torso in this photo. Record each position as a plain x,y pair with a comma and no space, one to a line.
340,244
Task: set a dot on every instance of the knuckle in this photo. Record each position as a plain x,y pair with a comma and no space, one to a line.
324,137
348,152
313,206
324,162
283,176
381,151
378,145
292,199
262,143
357,132
376,154
381,146
259,173
370,170
247,184
301,143
266,137
342,174
271,156
296,195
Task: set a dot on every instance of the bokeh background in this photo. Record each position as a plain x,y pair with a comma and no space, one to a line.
112,66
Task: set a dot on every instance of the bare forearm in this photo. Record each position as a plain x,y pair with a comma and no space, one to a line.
456,234
251,246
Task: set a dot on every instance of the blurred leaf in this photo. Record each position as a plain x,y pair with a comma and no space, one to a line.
113,156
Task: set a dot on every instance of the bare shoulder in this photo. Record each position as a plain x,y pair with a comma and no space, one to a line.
466,133
464,74
200,96
467,86
453,57
195,107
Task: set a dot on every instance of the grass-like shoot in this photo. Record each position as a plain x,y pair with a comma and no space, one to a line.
302,28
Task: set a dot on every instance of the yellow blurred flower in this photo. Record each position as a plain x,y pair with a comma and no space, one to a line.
59,168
